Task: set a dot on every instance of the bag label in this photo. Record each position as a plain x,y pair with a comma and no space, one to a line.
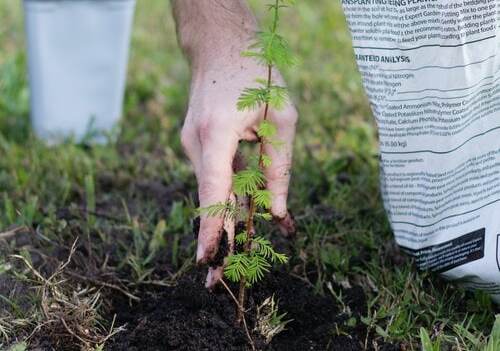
450,254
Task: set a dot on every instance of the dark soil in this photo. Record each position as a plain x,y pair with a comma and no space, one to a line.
188,317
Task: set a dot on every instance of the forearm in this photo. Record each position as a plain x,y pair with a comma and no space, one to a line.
210,29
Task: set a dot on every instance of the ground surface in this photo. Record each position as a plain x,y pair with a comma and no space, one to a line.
184,318
129,206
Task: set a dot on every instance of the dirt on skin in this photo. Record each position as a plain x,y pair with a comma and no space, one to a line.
188,317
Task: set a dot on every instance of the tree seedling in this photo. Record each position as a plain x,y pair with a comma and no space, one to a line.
255,256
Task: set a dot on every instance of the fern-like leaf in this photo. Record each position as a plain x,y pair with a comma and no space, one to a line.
263,198
266,160
264,215
248,181
263,246
228,209
241,238
237,267
266,129
257,55
278,97
279,257
271,49
252,98
257,267
266,250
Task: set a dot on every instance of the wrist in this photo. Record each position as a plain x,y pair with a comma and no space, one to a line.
210,29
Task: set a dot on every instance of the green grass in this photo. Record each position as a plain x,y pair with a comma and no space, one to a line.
335,170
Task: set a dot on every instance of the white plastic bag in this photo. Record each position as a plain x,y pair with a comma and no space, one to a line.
77,53
431,71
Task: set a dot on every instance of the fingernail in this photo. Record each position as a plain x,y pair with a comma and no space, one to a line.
208,281
213,277
279,206
287,225
200,253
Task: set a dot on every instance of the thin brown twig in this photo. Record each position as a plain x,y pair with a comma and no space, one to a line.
112,331
230,292
68,329
251,210
38,328
304,279
65,264
103,284
9,233
240,308
164,283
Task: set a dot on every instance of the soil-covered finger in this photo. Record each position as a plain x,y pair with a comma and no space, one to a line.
287,225
222,251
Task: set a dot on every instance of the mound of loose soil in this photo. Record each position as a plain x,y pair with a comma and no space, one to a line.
188,317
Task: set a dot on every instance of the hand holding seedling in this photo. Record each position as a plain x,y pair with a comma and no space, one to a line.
213,34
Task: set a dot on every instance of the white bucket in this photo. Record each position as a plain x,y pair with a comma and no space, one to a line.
77,58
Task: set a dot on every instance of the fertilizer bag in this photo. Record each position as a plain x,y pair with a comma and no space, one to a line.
430,69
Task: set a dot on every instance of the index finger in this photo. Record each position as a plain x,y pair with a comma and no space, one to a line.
214,186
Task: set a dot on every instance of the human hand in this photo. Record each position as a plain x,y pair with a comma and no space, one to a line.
213,126
212,130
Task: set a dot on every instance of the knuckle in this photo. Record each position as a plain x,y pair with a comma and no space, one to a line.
213,128
206,130
214,188
279,172
208,187
292,115
288,116
187,136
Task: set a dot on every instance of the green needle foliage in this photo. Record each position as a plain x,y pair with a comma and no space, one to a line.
257,256
248,181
